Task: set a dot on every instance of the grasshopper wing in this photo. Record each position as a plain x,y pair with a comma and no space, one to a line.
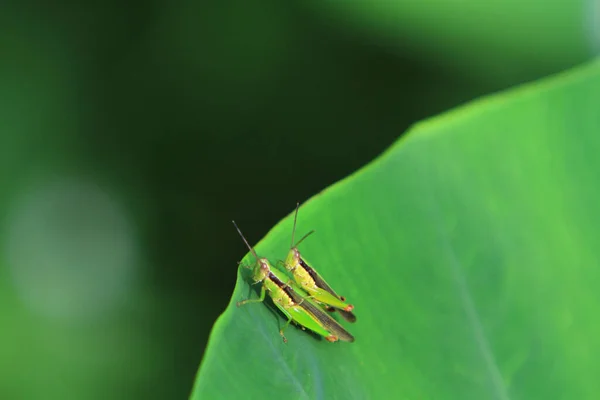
320,282
329,323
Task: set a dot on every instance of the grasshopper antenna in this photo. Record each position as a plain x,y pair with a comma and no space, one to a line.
304,237
245,241
294,230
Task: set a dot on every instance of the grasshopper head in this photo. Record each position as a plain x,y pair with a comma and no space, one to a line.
261,270
293,259
262,267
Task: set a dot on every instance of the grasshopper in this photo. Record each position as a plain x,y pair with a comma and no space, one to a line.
292,301
310,281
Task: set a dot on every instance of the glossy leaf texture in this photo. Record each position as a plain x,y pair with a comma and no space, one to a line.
470,250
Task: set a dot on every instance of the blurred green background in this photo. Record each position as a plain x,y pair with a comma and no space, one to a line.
131,135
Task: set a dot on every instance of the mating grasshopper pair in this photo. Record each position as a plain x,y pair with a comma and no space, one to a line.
305,298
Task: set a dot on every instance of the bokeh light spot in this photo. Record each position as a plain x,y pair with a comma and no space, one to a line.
70,249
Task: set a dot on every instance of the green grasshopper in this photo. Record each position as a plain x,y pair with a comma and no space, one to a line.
311,282
288,298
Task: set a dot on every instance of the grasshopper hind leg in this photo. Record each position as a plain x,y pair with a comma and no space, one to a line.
289,321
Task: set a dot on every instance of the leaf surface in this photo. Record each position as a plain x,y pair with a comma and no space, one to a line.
470,252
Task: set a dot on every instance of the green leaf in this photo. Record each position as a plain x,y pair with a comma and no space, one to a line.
470,251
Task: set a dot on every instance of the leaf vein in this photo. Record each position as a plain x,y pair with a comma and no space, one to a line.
465,295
